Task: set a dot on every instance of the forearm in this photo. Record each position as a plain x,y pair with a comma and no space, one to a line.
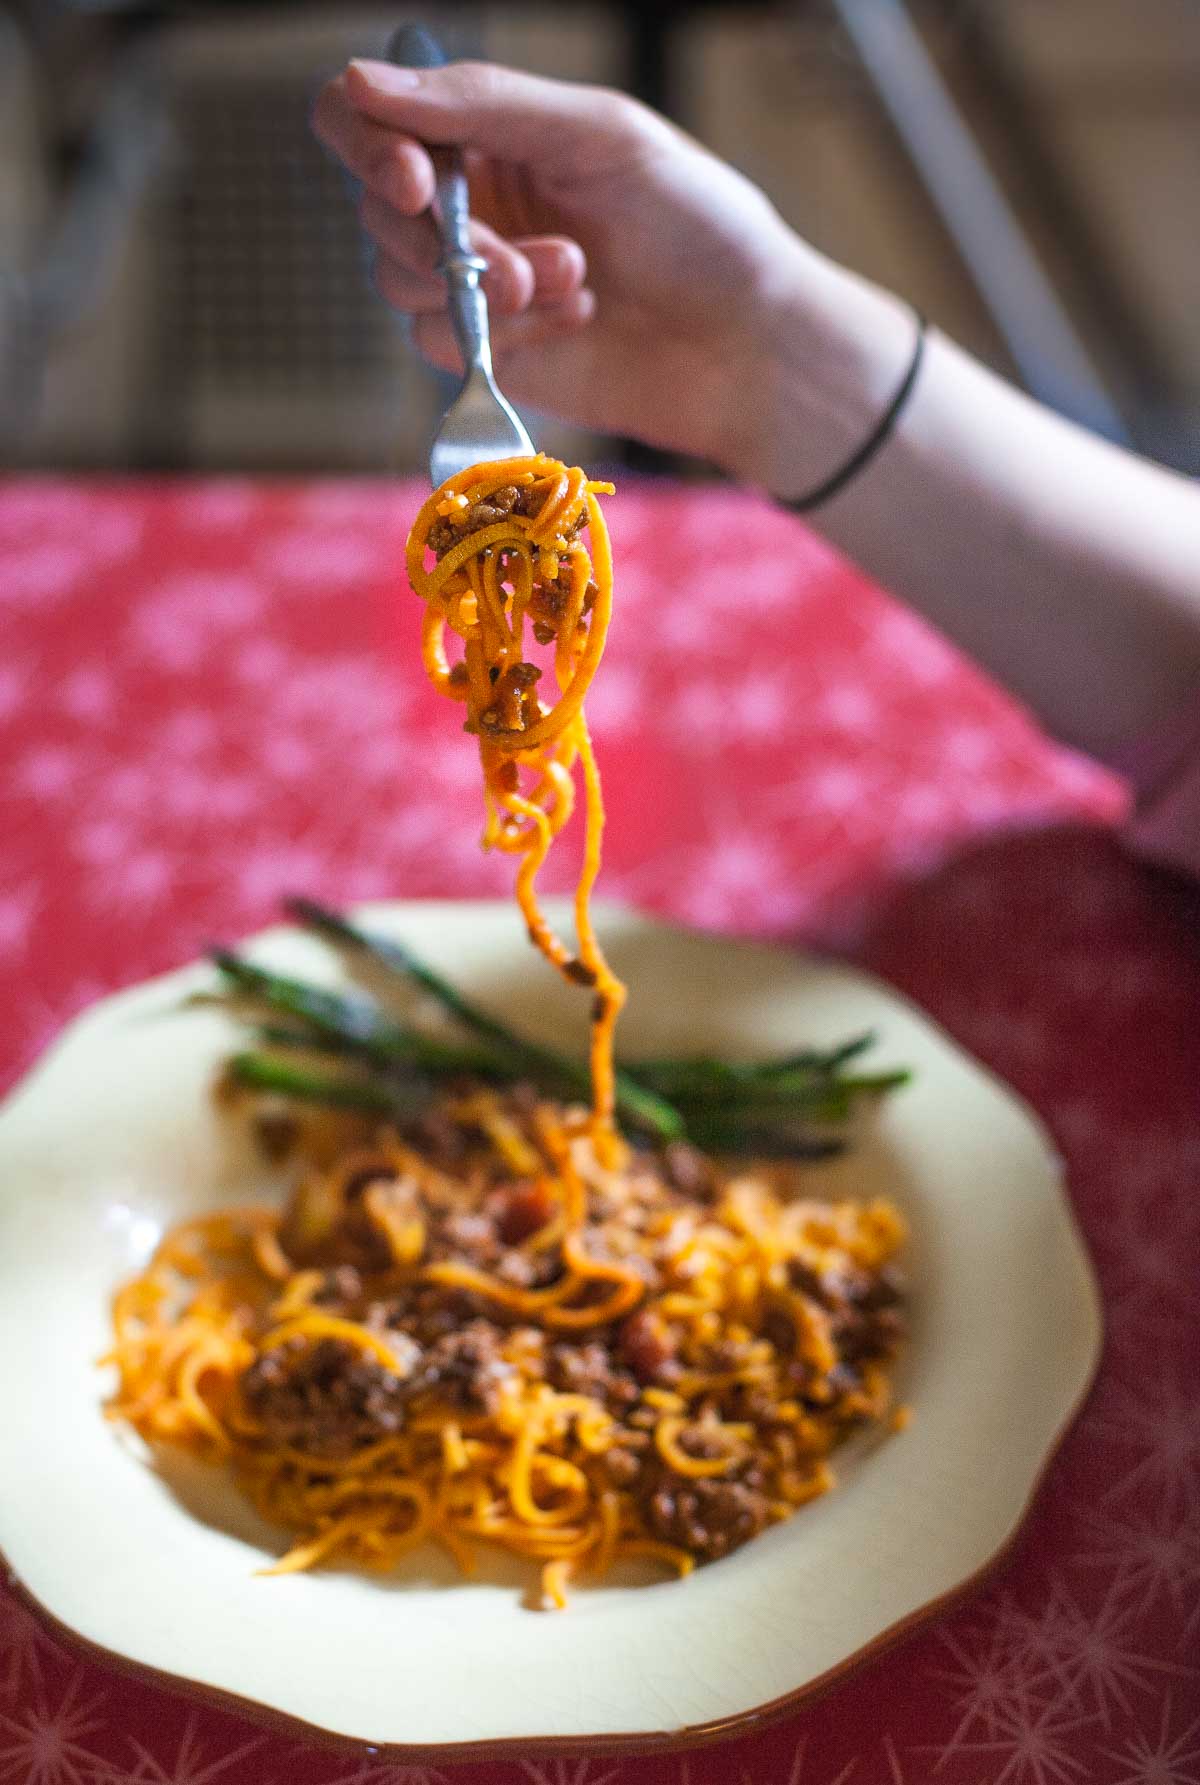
1069,568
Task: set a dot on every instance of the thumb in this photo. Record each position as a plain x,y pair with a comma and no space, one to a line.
501,112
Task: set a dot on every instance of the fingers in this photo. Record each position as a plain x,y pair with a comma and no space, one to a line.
559,267
517,117
413,241
531,270
511,336
509,286
543,273
390,164
397,175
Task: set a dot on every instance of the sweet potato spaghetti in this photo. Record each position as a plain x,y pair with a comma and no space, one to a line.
494,1321
509,556
478,1332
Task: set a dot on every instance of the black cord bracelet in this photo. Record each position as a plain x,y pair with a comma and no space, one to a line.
870,446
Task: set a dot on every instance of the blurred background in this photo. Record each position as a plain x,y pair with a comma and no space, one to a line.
183,285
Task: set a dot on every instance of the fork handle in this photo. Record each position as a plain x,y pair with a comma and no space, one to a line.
414,47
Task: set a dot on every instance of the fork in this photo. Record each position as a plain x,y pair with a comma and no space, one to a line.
480,423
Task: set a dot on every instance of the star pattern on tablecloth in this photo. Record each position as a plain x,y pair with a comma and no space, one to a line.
47,1740
569,1772
24,1647
190,1761
1158,1757
1150,1558
988,1681
1033,1746
1092,1657
1153,1427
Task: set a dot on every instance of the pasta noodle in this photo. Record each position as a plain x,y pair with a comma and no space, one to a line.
655,1384
510,560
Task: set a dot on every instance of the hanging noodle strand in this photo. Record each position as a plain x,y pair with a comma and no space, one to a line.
510,572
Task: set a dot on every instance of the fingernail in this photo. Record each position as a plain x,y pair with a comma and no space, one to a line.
385,78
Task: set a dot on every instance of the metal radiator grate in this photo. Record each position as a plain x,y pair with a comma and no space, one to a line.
268,269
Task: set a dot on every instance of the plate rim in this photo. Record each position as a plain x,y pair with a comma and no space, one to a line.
752,1720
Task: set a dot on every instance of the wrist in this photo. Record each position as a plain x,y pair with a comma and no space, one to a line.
817,364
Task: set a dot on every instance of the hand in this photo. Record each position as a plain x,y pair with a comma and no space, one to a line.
635,281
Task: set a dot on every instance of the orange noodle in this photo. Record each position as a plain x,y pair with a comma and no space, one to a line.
510,570
579,1365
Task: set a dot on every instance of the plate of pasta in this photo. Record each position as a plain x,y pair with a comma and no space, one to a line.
362,1332
155,1553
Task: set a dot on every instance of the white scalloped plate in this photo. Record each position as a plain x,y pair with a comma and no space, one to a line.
114,1135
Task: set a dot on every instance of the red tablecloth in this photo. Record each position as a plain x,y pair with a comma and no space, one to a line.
210,695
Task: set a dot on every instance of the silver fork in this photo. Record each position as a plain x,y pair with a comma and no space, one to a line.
480,423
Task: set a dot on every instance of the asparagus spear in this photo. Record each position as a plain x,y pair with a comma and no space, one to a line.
397,958
703,1072
799,1094
729,1105
640,1103
352,1024
765,1141
261,1072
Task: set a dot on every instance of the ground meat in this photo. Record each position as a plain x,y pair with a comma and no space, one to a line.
341,1289
518,1268
830,1288
710,1516
531,1270
863,1336
310,1221
622,1466
328,1223
329,1398
697,1440
521,1209
646,1345
689,1171
886,1291
867,1320
589,1369
746,1400
779,1329
843,1379
362,1240
276,1129
464,1367
524,1097
427,1312
447,530
439,1139
469,1237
